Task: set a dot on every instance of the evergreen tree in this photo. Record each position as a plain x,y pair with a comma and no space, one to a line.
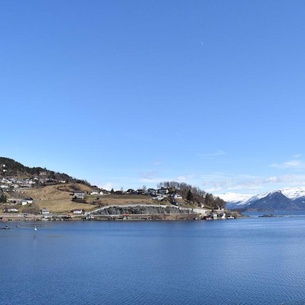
189,196
3,198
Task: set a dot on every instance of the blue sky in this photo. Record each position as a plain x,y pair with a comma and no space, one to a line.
132,93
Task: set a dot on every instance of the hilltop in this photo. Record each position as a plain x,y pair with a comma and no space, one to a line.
12,169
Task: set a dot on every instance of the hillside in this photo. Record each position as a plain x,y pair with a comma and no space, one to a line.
30,190
59,198
12,168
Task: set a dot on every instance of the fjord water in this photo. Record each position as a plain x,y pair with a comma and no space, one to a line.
244,261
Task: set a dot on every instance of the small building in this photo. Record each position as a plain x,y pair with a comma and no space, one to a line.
78,211
25,185
163,191
118,192
159,197
177,196
26,201
11,210
152,192
79,195
45,211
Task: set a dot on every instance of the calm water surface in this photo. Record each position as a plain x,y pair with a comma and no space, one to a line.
246,261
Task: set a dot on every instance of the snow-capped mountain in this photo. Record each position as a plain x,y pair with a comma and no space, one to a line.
235,198
239,201
294,193
285,199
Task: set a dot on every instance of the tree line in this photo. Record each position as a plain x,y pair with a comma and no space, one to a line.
193,194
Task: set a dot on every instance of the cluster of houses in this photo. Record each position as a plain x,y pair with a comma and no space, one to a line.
157,194
10,184
165,192
149,191
17,185
48,215
16,201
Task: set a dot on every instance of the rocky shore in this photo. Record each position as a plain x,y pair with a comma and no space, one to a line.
143,212
128,212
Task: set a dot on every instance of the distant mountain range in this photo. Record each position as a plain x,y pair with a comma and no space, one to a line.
289,199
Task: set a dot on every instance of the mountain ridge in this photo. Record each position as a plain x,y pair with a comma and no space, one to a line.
283,199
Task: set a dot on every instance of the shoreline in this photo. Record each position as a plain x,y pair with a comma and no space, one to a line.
127,212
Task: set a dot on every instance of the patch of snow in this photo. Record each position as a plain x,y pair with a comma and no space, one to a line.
235,200
294,193
234,197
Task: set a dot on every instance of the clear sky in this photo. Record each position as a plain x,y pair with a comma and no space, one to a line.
132,93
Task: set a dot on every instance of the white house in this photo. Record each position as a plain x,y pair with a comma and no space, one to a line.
78,211
163,191
45,211
12,210
177,196
159,197
214,215
26,201
79,194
